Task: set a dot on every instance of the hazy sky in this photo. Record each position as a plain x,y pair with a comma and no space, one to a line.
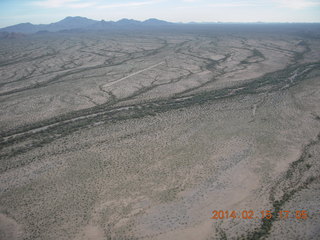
47,11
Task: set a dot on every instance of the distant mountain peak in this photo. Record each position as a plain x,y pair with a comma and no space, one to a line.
75,18
128,21
154,20
24,24
83,23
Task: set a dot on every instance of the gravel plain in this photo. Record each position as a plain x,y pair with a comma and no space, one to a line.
143,135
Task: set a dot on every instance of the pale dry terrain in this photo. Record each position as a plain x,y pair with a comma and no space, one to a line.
141,136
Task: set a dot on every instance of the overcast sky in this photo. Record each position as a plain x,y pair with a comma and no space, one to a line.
47,11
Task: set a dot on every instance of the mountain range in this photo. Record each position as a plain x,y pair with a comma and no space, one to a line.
72,23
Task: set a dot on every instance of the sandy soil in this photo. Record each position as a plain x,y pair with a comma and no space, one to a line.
143,137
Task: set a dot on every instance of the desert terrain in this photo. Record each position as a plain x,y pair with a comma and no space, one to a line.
142,135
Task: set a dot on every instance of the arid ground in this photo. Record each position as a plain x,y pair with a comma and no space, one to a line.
143,135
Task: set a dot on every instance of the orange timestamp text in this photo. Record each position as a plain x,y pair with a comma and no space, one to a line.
250,214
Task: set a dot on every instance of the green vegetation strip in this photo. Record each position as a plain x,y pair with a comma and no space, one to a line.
297,166
44,132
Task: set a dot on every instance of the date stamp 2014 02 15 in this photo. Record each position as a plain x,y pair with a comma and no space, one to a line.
249,214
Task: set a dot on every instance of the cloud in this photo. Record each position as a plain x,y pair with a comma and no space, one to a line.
129,4
234,4
63,3
297,4
81,5
85,4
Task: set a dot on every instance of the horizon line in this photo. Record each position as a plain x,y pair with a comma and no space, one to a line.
189,22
